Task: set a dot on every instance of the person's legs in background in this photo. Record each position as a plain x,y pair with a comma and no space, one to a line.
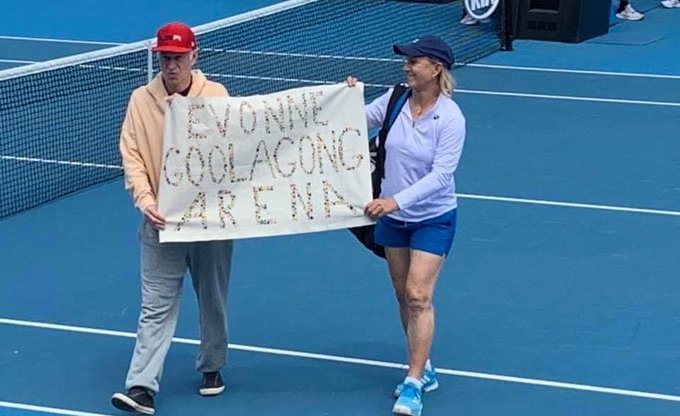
670,4
626,11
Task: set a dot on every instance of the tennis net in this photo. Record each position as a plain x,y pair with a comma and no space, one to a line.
60,120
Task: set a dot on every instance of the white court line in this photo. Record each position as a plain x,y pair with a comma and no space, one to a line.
16,61
474,92
54,40
571,205
571,98
459,91
460,195
488,66
574,71
359,361
304,55
43,409
112,68
59,162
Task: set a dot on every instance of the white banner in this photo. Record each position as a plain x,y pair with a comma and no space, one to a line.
291,162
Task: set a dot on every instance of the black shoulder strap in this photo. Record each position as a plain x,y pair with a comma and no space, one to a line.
400,94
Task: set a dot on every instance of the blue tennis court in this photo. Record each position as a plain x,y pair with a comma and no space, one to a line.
560,297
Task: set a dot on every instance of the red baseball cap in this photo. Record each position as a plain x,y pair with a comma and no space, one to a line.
175,37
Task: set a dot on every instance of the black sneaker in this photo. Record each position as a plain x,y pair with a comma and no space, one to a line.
137,399
212,384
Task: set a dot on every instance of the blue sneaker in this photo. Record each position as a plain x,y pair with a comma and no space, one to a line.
409,402
430,383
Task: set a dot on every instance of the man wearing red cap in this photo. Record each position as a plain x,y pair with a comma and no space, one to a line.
163,265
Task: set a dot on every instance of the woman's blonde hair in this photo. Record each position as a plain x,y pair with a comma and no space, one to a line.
446,82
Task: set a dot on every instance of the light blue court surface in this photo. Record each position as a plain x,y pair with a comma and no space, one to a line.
561,297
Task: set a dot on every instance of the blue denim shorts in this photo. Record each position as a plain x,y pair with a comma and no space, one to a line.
434,235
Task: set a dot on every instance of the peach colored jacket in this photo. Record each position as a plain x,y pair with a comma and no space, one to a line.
141,137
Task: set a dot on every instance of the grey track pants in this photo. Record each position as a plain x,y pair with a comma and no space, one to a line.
162,271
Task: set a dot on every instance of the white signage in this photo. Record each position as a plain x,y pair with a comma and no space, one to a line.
481,9
291,162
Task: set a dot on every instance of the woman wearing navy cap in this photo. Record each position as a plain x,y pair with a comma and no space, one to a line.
416,211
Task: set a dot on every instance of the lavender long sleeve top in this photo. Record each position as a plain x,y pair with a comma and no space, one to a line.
422,157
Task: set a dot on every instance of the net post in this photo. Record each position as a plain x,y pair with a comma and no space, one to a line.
506,25
149,62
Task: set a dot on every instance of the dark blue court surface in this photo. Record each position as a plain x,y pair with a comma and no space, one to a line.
560,298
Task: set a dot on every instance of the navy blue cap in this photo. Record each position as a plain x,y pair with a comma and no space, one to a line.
432,47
